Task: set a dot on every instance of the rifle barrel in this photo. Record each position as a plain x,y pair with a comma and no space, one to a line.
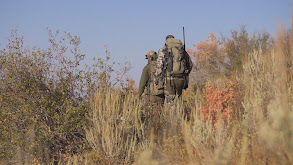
184,37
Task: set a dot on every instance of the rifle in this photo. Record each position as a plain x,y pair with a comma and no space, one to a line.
186,77
184,37
186,59
184,46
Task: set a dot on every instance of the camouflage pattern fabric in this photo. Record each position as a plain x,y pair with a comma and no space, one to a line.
160,62
173,88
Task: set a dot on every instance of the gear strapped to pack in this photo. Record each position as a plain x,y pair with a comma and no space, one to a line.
158,89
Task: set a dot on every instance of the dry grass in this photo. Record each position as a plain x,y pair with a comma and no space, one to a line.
115,127
123,132
120,131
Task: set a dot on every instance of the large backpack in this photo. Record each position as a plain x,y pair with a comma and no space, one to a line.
177,58
159,89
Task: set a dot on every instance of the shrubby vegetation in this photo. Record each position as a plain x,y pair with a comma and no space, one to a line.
237,110
45,97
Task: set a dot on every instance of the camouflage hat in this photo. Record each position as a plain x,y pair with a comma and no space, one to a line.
150,53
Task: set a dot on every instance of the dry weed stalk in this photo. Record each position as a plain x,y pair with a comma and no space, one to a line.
115,126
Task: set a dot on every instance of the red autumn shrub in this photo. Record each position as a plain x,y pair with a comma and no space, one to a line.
219,103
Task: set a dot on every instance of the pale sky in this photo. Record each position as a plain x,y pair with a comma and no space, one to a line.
132,28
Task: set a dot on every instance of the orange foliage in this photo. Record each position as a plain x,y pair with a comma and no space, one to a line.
219,103
210,49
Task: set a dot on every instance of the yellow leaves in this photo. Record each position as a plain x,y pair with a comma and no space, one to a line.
210,49
1,99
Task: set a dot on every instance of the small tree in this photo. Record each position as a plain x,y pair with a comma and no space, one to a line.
210,60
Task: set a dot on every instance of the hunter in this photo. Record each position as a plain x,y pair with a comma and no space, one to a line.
174,65
146,84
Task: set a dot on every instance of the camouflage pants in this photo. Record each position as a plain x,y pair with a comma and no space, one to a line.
173,88
155,100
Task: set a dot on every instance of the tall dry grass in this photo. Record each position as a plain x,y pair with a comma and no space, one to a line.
122,132
115,127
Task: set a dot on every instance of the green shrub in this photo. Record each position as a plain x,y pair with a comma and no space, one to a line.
45,96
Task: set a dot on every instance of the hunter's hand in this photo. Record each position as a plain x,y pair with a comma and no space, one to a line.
156,85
